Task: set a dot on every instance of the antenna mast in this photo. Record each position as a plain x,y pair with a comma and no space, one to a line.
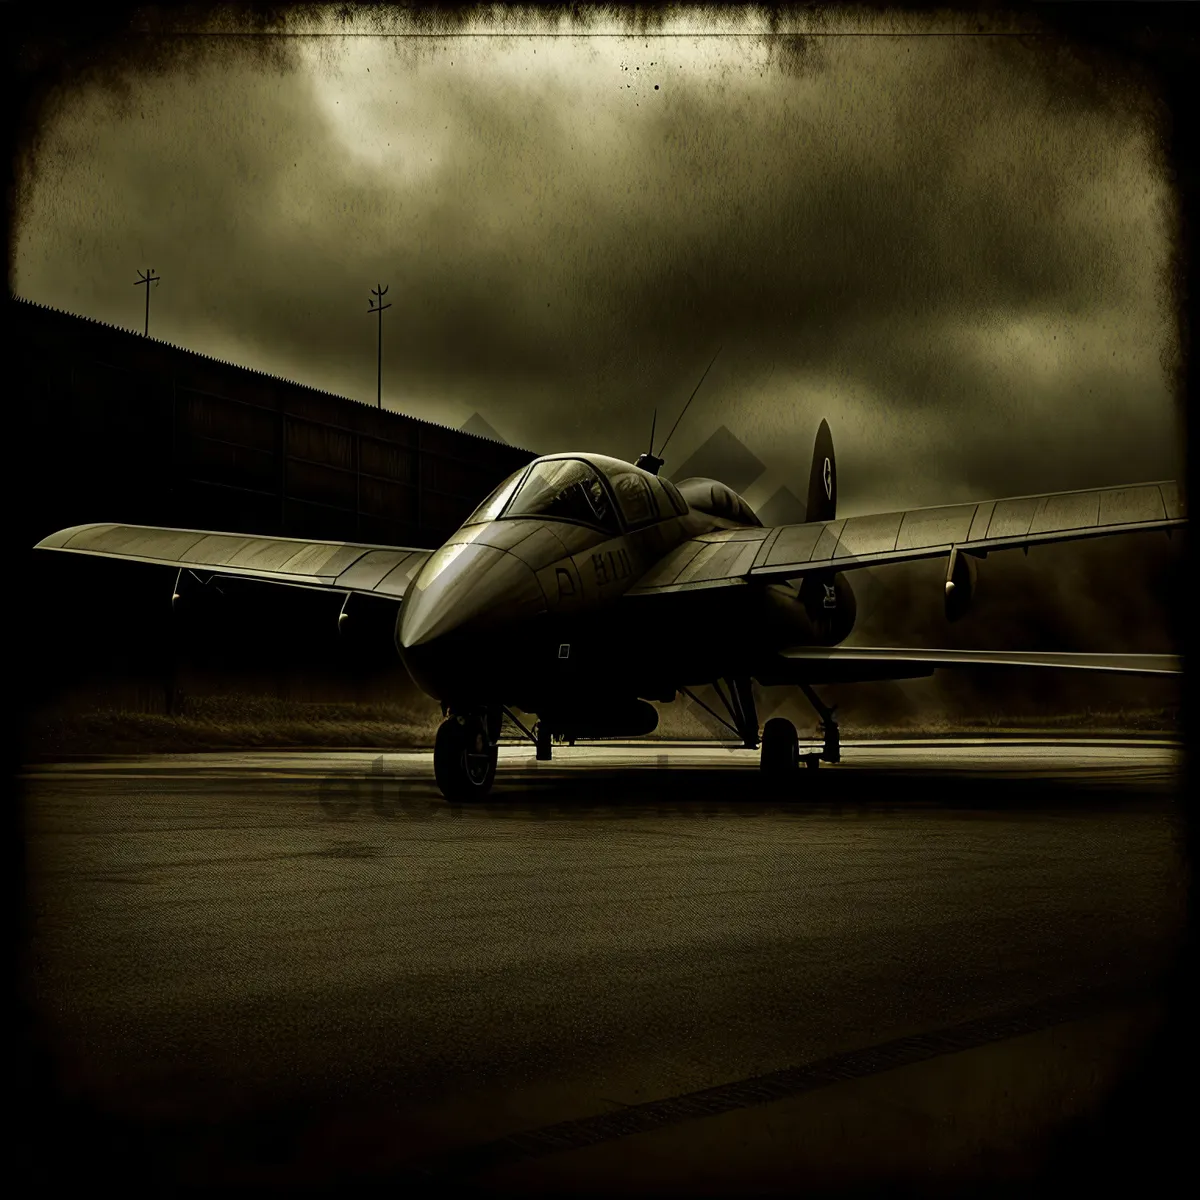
689,400
647,461
652,462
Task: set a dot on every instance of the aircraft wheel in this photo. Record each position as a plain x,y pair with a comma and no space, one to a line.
780,753
464,759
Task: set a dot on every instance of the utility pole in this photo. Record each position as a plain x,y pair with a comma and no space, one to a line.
378,294
147,278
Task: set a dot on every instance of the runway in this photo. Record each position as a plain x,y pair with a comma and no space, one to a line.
286,966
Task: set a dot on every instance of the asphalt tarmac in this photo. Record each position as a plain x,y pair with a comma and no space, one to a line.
630,968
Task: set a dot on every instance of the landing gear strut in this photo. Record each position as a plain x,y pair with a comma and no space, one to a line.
831,750
740,706
465,754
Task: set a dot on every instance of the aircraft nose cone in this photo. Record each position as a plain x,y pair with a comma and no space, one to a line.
452,623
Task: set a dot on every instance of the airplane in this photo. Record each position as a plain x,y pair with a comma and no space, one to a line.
584,587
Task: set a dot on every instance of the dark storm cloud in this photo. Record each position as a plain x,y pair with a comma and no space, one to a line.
945,233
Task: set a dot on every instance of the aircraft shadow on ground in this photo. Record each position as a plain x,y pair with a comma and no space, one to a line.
705,791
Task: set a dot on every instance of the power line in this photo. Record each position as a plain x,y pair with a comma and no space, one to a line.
147,278
377,294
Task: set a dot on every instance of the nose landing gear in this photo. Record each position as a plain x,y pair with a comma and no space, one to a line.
464,756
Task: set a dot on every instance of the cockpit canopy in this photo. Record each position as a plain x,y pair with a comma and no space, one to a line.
587,489
718,500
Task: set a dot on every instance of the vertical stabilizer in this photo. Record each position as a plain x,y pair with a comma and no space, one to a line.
822,479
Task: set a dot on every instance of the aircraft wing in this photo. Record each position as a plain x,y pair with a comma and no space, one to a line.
336,566
838,663
737,556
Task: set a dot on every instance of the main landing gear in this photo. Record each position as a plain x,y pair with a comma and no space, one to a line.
465,754
780,754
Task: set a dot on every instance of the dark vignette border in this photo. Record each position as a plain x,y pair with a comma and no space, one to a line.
1142,1134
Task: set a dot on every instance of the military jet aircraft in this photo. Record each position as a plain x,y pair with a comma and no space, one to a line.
584,587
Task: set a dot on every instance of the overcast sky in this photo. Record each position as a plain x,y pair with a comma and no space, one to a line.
954,248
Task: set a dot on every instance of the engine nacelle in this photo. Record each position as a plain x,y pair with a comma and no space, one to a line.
620,718
828,602
962,580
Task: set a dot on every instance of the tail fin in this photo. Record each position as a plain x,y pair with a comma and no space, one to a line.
822,479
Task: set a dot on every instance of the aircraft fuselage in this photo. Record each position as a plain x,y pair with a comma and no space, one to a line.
533,613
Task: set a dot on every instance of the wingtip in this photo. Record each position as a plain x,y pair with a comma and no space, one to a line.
59,539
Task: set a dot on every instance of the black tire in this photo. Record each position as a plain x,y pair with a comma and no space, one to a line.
780,753
464,760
